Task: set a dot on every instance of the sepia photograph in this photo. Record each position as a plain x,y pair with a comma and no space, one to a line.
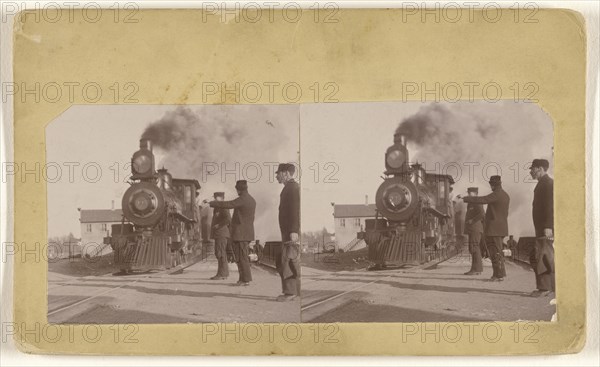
410,212
427,212
173,214
319,180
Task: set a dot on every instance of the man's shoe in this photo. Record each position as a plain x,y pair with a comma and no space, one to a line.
496,279
286,297
539,293
242,284
470,272
216,277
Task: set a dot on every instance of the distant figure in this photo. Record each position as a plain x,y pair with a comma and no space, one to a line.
457,210
259,249
474,229
289,224
242,227
542,255
512,245
496,224
220,233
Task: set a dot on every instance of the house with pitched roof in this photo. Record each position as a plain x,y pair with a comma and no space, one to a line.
349,219
96,224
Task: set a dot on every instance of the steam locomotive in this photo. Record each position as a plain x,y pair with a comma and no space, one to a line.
161,221
415,216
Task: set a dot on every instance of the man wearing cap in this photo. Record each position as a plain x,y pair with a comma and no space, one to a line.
289,224
242,228
496,224
220,233
474,229
542,255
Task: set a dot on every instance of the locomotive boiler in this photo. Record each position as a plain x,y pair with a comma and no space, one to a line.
414,223
160,224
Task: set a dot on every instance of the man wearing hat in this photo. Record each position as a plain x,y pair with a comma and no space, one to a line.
242,227
496,223
289,224
474,229
542,255
220,233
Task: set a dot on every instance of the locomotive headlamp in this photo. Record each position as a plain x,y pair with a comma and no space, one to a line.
395,159
142,164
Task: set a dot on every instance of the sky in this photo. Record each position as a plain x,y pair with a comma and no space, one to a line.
484,138
246,141
340,147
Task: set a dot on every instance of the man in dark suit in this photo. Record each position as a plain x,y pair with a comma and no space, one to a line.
496,224
542,255
220,233
289,224
242,228
474,229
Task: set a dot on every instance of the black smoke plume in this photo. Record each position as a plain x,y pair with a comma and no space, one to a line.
440,135
186,141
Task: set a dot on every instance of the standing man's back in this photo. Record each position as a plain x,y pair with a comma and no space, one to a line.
289,224
542,256
220,233
543,206
473,230
242,228
496,224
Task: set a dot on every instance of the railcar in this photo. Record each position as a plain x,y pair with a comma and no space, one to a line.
160,228
414,223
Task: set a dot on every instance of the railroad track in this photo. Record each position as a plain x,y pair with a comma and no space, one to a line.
88,298
330,298
313,307
160,274
100,293
326,303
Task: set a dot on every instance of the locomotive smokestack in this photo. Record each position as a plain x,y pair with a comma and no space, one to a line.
400,138
366,199
146,143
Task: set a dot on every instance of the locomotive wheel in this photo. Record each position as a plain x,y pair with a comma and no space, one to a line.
396,199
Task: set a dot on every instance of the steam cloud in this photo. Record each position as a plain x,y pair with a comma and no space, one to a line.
505,135
186,142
